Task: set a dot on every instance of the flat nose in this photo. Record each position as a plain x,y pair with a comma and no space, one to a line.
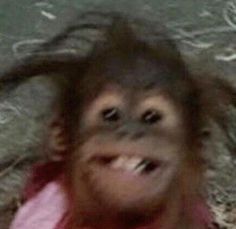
131,130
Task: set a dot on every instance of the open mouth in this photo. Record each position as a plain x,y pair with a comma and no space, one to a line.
135,164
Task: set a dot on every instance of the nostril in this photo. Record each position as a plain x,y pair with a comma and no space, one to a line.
138,135
133,136
122,133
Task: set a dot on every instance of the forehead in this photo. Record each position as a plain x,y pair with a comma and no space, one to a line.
131,79
115,94
139,73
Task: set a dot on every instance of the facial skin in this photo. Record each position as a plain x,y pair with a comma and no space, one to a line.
132,152
124,142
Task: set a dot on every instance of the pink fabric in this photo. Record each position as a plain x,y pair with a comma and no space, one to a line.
43,211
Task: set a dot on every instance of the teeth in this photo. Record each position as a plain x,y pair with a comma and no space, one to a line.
141,166
134,164
119,162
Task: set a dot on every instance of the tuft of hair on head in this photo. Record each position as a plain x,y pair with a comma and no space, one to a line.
130,37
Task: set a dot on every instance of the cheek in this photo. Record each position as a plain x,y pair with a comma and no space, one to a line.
172,141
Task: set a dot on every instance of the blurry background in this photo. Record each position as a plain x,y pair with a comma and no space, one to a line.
205,31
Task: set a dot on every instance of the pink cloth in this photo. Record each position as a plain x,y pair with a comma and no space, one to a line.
44,211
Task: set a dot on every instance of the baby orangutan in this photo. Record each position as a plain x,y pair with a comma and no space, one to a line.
131,118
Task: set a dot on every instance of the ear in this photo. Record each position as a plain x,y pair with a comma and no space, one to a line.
56,140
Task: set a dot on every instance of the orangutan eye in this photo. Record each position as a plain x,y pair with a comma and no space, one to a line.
151,116
111,114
